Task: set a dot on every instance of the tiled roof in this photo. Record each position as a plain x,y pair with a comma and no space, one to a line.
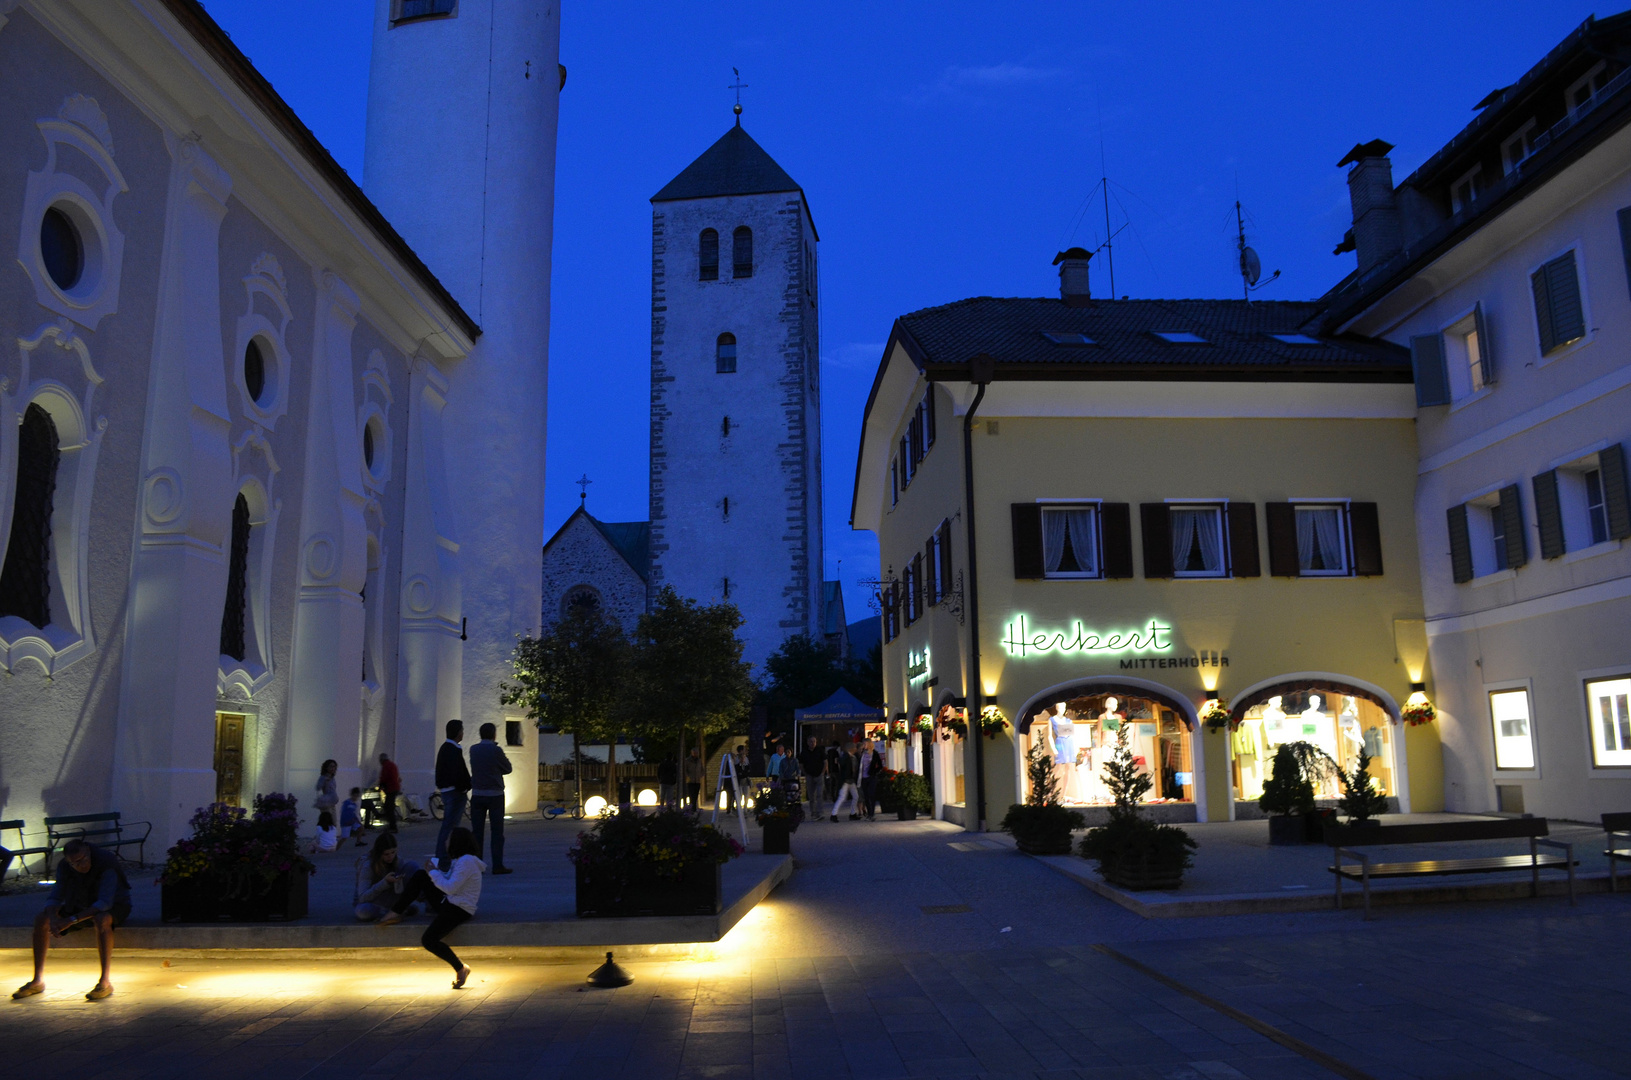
1237,333
735,165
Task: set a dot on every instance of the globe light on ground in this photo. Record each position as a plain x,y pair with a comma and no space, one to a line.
648,797
594,806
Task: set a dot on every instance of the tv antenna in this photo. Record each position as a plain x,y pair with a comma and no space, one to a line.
1251,267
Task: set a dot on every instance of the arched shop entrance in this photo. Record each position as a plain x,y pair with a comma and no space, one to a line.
1077,723
1337,714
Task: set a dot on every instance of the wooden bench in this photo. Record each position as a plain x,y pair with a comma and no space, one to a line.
1616,845
22,851
1344,838
102,830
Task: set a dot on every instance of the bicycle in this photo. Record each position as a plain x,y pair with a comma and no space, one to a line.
551,811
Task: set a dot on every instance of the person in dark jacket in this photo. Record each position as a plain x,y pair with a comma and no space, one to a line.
452,782
90,890
488,766
668,779
848,769
814,763
869,769
390,786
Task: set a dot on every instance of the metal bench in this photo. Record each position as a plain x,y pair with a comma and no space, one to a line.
1344,838
102,830
1616,845
22,851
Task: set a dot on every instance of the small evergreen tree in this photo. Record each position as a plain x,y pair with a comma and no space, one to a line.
1127,784
1361,800
1044,784
1288,790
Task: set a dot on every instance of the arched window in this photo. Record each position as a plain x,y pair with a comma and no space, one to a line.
25,582
725,354
742,252
237,603
708,256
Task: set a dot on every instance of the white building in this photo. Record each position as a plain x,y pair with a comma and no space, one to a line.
1504,262
270,485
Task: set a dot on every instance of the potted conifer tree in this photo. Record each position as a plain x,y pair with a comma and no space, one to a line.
1131,850
1042,826
1361,800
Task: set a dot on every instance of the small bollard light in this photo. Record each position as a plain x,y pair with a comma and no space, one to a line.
609,976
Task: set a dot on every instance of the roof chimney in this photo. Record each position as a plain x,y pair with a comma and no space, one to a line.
1072,264
1377,233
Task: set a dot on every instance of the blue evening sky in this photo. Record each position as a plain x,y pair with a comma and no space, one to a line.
947,150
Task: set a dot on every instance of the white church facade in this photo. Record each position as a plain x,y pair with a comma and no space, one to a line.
248,412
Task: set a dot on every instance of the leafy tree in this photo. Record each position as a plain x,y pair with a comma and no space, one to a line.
801,673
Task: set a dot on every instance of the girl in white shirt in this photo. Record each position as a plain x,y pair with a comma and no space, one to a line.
456,882
328,837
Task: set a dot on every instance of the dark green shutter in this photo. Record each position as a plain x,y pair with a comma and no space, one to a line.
1543,310
1427,359
1365,528
945,558
1548,515
1460,544
1616,495
1282,523
1116,536
1156,520
1625,241
1557,303
1244,559
1486,351
1027,519
1517,552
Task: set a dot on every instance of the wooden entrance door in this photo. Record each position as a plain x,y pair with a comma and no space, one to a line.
229,758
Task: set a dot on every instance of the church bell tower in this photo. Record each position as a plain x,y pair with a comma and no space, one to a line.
735,409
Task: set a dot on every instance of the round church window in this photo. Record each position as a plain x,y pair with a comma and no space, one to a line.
368,445
580,600
61,248
254,370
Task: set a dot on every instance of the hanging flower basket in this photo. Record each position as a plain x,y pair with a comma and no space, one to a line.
956,727
992,722
1422,712
923,723
897,730
1215,715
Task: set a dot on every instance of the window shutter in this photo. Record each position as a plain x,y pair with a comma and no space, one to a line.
1156,520
1365,528
945,558
1625,241
928,417
1027,540
1486,350
1616,496
931,573
1563,283
1548,515
1512,525
1460,544
25,578
1244,559
1543,310
1116,537
1427,359
1282,523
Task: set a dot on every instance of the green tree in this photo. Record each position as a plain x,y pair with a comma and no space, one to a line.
1361,800
1127,783
571,679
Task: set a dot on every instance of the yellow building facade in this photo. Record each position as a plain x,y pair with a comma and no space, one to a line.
1165,503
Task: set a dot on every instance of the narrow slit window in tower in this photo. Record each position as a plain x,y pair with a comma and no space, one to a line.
25,582
725,355
708,256
232,613
742,252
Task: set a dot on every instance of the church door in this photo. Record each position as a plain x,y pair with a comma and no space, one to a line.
229,758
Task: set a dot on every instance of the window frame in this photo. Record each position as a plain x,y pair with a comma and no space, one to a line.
1526,687
1525,136
1060,505
1344,522
1587,679
1469,180
703,266
1219,507
398,19
741,271
1468,381
1588,79
720,344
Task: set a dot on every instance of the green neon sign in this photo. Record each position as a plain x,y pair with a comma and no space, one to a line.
1023,639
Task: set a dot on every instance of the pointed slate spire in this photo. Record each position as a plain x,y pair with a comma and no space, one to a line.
735,165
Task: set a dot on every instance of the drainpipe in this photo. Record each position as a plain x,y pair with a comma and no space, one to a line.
981,369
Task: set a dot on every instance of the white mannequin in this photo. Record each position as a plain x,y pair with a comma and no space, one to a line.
1062,741
1274,719
1324,728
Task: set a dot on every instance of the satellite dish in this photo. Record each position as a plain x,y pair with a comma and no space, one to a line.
1251,267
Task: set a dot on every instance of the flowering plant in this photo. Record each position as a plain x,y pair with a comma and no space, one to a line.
897,730
778,802
1215,714
1421,712
240,852
992,722
666,842
953,724
923,723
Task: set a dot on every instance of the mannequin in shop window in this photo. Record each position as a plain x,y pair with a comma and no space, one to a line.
1062,737
1348,733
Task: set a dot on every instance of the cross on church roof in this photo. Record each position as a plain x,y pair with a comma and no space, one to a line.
583,482
738,86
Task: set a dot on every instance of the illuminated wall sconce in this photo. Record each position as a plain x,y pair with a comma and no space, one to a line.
1214,713
1417,709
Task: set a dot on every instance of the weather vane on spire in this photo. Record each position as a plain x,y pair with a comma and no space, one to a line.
583,482
738,86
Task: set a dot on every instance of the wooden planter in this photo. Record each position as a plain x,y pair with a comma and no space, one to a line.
778,837
210,900
1286,829
1143,873
906,813
633,889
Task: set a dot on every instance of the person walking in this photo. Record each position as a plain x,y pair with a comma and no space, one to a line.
693,778
834,752
848,768
90,890
870,769
668,780
455,884
489,764
814,763
452,782
390,786
773,767
381,877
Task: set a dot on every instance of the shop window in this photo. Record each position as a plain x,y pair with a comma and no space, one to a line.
1197,541
1559,314
1608,701
1514,732
1070,541
1080,734
1339,724
708,256
25,580
725,355
742,252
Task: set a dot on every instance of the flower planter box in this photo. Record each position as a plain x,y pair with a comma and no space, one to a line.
906,813
1142,874
778,838
625,890
1286,829
209,900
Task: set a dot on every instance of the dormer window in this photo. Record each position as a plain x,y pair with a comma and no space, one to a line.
410,10
1515,149
1179,337
1587,87
1464,192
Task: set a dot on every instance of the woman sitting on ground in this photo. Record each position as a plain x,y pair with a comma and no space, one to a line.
381,877
456,882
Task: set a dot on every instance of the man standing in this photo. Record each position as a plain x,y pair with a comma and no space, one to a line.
814,763
452,782
693,779
390,786
90,890
871,768
668,779
489,764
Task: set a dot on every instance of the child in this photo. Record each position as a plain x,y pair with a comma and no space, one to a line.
328,837
351,817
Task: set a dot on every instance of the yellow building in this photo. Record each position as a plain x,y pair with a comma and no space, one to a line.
1094,514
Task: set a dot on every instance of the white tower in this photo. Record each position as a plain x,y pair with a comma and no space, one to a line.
462,108
735,413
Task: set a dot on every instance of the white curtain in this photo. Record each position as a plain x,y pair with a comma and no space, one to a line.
1319,529
1183,537
1209,531
1081,539
1305,539
1053,539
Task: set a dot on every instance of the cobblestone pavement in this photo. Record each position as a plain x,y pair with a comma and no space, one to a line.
867,965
